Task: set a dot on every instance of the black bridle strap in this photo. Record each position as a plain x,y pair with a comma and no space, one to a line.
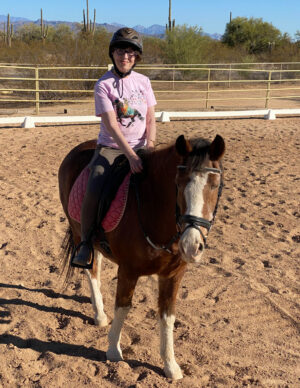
193,220
189,220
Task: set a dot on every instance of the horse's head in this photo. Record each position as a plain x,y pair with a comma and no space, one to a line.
199,183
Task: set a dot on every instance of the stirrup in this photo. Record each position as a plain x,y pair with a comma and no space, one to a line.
87,266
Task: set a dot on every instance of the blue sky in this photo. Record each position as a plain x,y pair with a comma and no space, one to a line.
212,16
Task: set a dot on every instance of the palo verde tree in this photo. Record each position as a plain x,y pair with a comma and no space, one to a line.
253,35
185,44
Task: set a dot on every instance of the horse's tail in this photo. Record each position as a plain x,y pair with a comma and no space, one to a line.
67,247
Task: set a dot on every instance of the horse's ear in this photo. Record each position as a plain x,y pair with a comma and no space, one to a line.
183,146
217,148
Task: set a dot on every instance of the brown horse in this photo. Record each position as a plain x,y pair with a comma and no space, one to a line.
170,211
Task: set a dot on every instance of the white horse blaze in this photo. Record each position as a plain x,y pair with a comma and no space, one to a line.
191,238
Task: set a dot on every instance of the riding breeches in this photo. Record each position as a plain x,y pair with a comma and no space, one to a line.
100,165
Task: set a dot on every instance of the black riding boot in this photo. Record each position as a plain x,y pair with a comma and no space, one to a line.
88,221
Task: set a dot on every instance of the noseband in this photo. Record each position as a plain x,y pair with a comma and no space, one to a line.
188,220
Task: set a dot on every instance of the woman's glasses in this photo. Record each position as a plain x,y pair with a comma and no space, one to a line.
130,53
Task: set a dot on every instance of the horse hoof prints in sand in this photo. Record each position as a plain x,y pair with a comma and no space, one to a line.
170,209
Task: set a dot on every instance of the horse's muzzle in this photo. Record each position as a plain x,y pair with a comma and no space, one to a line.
191,246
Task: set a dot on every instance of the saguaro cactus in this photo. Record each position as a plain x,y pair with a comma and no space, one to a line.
44,29
171,23
88,26
9,31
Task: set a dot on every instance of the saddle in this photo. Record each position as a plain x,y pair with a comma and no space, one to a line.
113,200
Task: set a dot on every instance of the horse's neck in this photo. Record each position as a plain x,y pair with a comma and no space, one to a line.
162,166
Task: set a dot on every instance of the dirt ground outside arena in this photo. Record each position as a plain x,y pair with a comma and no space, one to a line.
237,320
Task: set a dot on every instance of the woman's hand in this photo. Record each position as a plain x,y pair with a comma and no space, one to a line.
150,145
135,163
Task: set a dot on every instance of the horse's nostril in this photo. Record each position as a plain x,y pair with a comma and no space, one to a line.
201,247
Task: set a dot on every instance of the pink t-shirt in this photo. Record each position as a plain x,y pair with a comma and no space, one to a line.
129,98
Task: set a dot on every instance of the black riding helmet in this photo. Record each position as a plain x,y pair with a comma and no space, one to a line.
125,37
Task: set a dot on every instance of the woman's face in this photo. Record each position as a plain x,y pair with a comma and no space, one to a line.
124,58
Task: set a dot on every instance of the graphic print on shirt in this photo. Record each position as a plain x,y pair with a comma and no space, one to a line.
124,111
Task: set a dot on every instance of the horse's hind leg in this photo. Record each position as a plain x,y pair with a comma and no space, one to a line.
125,289
96,296
167,294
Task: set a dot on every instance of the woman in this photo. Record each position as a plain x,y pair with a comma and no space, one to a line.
125,101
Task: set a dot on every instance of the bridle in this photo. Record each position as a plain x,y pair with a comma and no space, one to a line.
188,220
196,222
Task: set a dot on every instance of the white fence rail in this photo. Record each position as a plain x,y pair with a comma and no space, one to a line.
30,121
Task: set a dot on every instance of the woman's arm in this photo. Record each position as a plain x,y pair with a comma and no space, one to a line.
150,127
111,124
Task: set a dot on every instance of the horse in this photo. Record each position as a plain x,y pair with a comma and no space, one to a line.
170,210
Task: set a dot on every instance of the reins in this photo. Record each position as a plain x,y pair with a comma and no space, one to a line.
189,220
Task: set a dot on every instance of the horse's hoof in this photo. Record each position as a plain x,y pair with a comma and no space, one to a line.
101,322
114,355
173,372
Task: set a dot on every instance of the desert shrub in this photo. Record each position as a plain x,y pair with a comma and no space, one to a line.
185,44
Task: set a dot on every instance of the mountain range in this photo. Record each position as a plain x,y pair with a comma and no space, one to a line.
154,30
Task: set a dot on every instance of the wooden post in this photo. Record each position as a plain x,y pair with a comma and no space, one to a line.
268,90
207,90
229,76
37,91
174,78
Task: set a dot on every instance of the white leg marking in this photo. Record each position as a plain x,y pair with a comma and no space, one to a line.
171,368
96,296
114,352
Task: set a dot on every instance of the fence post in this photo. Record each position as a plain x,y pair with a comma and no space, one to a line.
268,89
207,90
174,78
37,92
280,71
229,76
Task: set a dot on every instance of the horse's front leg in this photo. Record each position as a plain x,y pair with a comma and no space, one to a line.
96,296
125,290
168,288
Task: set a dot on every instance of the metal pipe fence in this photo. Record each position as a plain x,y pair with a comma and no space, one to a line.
219,82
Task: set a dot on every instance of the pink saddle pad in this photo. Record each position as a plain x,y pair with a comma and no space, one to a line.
117,207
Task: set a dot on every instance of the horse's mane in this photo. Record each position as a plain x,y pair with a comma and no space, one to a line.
158,159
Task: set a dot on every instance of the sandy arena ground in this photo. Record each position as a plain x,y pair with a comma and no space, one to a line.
237,312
